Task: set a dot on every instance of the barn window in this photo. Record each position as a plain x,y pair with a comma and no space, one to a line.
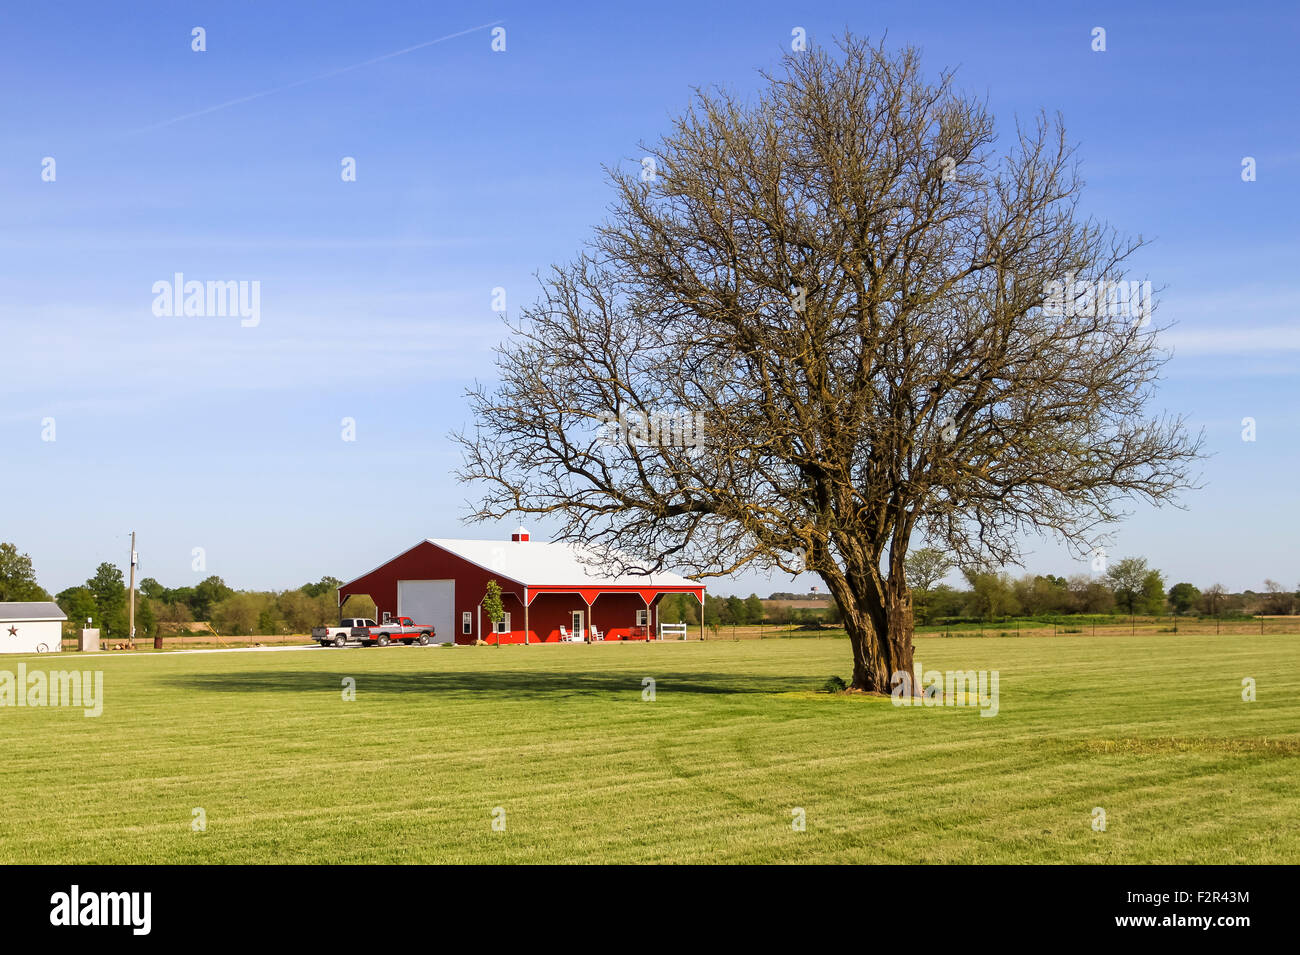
642,617
466,622
502,625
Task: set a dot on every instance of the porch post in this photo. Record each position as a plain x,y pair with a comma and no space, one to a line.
478,624
590,623
525,616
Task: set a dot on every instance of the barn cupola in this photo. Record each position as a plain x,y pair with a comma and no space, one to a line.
520,534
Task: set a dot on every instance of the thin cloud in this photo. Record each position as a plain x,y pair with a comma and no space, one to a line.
311,79
1233,341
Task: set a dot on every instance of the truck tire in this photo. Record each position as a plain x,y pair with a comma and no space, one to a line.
324,643
383,640
425,639
407,641
340,640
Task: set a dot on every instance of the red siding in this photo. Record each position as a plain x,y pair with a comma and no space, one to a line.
613,611
425,561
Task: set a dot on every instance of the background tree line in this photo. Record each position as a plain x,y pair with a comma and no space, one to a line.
1128,587
105,599
229,612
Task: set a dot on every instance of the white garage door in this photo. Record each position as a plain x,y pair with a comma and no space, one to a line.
429,601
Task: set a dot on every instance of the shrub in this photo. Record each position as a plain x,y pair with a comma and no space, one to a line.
834,685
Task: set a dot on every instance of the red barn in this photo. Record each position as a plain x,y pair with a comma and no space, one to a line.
547,591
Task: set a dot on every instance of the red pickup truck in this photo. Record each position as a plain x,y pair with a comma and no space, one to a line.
402,628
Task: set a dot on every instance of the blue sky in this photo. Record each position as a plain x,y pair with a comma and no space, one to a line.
476,169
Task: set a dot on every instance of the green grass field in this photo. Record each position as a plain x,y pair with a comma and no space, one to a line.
1152,729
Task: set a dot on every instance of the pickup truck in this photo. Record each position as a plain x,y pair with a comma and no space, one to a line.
340,635
400,628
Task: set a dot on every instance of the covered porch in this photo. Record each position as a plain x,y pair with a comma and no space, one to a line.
584,614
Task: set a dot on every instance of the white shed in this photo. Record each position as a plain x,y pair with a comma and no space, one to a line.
31,627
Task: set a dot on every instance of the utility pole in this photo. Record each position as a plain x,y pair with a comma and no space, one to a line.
132,611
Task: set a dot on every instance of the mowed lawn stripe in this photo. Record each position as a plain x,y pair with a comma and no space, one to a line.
1151,728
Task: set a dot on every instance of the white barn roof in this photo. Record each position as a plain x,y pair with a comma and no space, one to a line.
31,610
550,564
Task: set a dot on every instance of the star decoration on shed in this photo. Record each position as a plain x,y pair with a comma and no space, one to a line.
13,631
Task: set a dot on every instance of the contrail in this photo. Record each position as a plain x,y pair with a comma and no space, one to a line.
311,79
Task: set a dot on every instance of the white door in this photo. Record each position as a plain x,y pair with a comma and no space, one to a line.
429,601
577,632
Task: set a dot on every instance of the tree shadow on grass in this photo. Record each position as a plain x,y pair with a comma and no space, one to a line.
504,683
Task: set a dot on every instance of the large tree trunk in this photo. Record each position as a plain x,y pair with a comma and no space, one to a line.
878,619
899,632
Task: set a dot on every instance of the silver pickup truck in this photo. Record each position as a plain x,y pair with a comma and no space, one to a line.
340,635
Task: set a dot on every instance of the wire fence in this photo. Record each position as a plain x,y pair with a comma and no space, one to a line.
1060,627
198,641
1113,627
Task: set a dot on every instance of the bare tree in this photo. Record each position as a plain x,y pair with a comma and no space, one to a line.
1280,600
1212,597
850,293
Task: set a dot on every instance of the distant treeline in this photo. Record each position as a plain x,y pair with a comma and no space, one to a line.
229,612
1128,586
104,599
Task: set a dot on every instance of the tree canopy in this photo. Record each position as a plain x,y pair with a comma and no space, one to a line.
18,576
825,322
